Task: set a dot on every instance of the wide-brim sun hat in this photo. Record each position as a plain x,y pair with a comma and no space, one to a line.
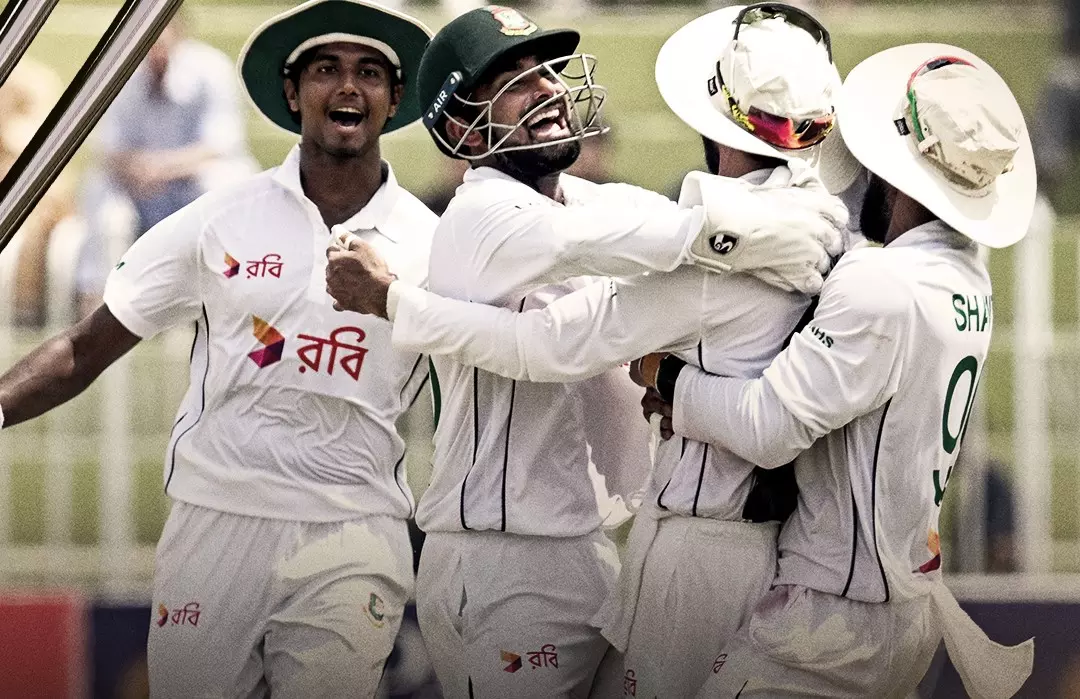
969,112
686,69
281,39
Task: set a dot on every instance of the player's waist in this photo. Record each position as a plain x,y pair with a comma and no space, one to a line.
442,510
278,496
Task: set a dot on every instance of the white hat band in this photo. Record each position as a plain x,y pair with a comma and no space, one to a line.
323,39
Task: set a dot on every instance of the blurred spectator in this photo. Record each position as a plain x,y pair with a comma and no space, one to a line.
175,131
1056,127
26,98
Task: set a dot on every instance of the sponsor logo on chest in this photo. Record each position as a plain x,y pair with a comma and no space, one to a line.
271,265
341,350
547,656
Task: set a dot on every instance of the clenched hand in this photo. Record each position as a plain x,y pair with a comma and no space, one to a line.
357,278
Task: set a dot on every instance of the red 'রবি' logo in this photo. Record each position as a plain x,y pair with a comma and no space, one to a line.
341,349
269,265
187,614
547,656
351,359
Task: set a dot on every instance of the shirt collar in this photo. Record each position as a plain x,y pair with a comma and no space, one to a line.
478,174
377,215
934,232
758,176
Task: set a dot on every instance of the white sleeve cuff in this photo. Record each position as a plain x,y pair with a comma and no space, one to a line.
392,297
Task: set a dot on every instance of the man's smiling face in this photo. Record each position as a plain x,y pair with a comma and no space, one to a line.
344,95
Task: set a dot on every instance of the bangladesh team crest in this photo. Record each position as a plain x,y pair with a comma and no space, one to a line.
512,22
375,611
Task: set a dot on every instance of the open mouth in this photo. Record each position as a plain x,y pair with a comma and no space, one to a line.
548,125
346,117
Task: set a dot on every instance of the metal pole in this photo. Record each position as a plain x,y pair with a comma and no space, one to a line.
1033,333
136,27
20,22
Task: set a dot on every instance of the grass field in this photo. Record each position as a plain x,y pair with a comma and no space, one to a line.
652,148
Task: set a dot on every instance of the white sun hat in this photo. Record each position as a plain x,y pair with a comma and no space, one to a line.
774,66
957,143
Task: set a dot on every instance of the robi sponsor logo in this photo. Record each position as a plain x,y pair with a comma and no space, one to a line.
186,615
232,266
270,265
513,661
338,352
273,341
547,656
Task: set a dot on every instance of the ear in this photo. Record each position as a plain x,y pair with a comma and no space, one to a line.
292,96
396,93
455,130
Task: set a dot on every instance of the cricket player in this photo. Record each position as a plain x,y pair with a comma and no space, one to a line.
510,515
875,394
703,547
285,563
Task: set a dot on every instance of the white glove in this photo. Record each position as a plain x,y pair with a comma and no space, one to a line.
785,232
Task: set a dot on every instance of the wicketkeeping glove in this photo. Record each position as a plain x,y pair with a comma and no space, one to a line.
786,231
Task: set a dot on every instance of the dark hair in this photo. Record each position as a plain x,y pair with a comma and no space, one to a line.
293,71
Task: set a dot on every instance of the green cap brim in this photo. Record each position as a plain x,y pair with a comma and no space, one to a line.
262,60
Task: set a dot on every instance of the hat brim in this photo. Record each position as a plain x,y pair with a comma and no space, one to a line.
682,77
871,100
262,59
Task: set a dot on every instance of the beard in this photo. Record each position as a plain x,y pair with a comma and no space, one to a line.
876,214
530,165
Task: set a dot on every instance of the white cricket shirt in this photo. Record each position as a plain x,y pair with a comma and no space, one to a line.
512,455
728,324
291,408
877,389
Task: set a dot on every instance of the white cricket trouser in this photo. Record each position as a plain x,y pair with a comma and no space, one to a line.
246,606
702,579
804,643
505,615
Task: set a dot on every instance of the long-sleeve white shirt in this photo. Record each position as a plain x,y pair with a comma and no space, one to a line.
728,323
877,390
512,455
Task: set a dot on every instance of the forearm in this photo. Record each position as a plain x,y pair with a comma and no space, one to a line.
625,243
63,366
744,416
473,334
44,379
574,338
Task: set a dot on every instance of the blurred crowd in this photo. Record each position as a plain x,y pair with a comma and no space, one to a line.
176,130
